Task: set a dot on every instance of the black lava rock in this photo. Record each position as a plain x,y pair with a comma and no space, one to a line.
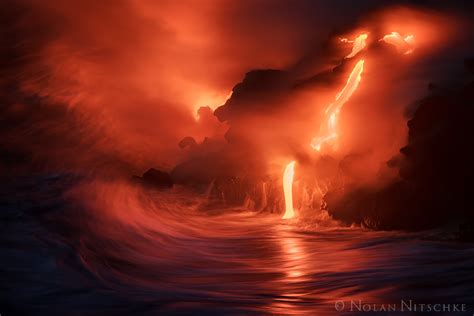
155,179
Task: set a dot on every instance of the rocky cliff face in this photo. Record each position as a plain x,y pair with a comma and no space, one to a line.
436,170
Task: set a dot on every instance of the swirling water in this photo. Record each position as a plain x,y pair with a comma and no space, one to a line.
107,248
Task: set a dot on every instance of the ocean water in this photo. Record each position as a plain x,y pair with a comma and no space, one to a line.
107,248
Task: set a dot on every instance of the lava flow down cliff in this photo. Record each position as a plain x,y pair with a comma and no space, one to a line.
233,157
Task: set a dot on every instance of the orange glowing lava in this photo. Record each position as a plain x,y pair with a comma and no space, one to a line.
288,190
359,44
333,110
404,45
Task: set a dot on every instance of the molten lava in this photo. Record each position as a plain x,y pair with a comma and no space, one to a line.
404,45
359,44
334,109
288,190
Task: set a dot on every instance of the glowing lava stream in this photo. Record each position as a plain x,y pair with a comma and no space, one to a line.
403,44
333,110
359,44
288,190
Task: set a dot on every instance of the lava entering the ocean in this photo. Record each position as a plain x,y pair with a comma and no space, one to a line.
288,176
235,157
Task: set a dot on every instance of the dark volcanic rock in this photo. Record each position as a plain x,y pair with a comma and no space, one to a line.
436,170
203,169
155,179
187,142
251,95
466,231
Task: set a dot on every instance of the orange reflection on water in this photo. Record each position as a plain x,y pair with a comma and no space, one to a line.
316,271
294,257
